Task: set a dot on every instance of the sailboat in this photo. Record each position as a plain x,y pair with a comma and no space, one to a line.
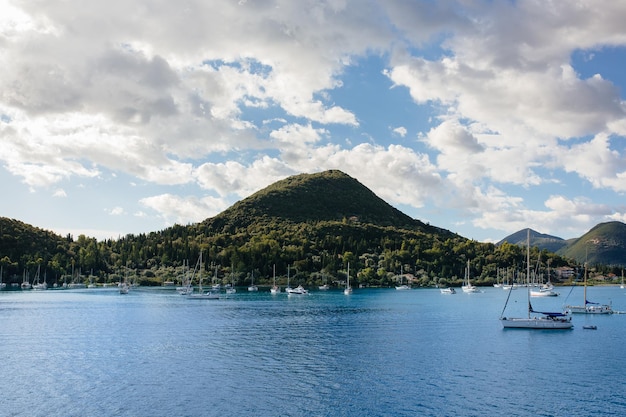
324,286
201,295
348,289
216,285
2,284
252,287
498,284
39,285
589,307
185,285
275,288
622,285
402,287
467,287
26,281
544,290
542,319
230,289
124,286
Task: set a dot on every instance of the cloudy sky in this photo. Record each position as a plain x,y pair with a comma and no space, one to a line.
481,117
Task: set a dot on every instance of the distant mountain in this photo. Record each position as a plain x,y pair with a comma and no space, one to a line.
540,240
329,196
604,244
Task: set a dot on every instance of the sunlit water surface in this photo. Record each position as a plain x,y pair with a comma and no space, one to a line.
377,352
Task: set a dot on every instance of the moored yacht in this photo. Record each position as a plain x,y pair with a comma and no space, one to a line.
467,286
539,319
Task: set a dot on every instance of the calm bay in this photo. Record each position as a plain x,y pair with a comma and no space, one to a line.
377,352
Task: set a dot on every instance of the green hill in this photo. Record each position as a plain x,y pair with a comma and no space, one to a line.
314,223
24,247
329,196
604,244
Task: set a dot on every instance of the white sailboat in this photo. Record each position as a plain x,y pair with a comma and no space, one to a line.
402,287
621,286
467,286
76,281
216,286
252,287
498,284
324,286
26,281
2,284
540,319
200,295
589,307
185,287
275,288
39,286
124,286
348,289
544,290
230,289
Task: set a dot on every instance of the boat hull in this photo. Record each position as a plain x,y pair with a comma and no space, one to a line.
590,309
543,293
203,296
536,323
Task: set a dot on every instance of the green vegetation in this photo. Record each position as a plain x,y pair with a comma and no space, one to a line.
315,223
605,244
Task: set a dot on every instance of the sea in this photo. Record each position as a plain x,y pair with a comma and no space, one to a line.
376,352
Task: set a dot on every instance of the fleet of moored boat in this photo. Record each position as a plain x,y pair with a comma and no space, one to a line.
533,320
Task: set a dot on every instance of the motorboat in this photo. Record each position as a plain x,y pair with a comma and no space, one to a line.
299,290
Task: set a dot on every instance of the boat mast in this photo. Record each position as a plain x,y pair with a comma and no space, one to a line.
528,269
585,279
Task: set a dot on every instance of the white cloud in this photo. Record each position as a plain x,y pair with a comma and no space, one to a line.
232,96
116,211
60,193
564,217
596,162
184,210
400,131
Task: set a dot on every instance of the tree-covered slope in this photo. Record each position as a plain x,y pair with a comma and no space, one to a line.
603,244
311,198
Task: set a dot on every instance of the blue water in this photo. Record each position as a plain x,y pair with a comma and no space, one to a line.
378,352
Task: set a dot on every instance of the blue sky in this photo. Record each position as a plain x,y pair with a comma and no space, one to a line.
480,117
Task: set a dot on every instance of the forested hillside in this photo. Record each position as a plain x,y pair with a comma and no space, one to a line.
315,223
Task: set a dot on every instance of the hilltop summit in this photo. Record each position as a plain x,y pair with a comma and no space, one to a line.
310,198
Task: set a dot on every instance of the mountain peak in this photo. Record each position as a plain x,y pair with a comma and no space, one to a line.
543,241
325,196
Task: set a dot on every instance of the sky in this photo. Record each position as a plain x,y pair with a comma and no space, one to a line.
480,117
